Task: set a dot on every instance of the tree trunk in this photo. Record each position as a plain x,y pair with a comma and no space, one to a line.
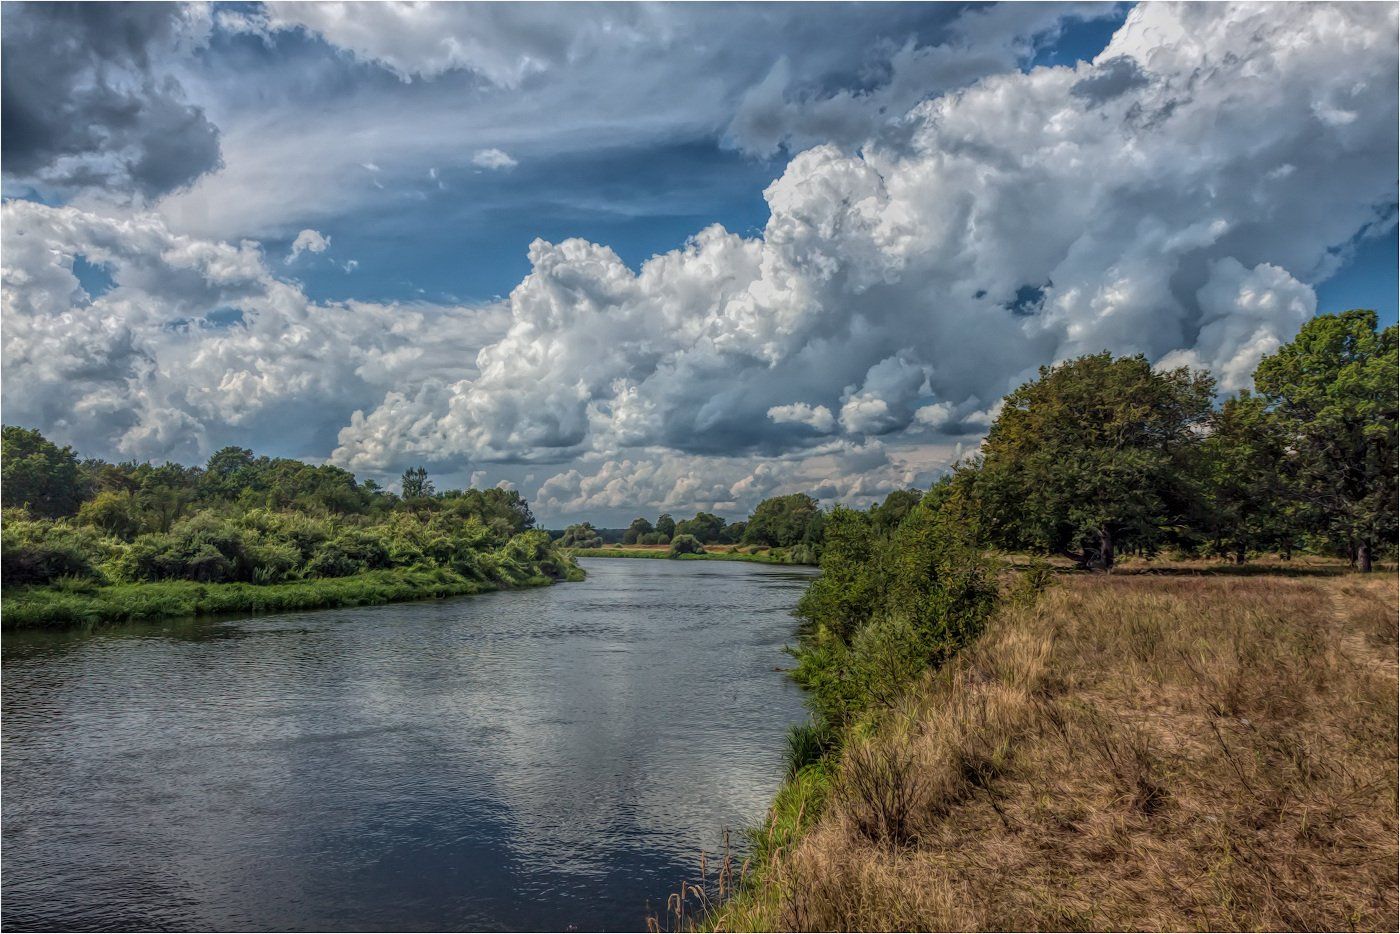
1239,554
1104,560
1363,557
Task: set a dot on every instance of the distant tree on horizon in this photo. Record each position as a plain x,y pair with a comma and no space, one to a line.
416,484
640,526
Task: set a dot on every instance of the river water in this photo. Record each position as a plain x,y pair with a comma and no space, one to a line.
531,760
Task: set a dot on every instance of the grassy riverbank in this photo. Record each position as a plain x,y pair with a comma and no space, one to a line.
712,553
77,603
1140,751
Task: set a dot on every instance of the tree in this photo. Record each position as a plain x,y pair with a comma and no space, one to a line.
504,510
1334,386
229,472
666,525
115,512
1092,455
733,533
706,526
783,521
582,535
889,514
1243,474
416,484
852,582
37,474
636,530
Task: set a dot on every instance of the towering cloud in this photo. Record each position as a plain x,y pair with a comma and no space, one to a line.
191,344
1172,197
1178,196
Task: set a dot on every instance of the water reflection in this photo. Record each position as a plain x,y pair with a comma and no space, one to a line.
514,761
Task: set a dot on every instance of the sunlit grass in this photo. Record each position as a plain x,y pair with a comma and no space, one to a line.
1181,751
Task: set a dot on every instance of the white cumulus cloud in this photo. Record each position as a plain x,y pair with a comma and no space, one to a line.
308,241
493,159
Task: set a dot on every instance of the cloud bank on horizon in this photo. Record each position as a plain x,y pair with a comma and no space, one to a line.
950,218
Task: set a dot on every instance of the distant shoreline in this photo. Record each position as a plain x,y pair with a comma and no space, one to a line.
50,607
766,556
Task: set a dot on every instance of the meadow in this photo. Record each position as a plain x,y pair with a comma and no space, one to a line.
1171,747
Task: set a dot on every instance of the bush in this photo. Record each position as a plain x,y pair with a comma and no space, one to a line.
686,545
36,551
582,535
880,786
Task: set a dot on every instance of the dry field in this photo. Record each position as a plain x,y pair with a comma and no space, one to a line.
1175,751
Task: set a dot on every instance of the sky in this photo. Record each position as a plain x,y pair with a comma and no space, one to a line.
630,258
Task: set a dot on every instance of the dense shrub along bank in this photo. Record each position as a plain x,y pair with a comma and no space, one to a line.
240,528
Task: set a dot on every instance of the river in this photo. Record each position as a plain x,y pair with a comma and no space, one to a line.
531,760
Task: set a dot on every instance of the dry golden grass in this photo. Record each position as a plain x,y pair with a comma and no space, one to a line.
1131,752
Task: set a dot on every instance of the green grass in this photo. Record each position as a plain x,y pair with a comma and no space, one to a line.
76,604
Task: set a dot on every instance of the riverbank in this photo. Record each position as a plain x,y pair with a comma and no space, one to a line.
712,553
1136,751
77,604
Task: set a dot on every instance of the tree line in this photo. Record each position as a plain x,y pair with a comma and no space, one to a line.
792,522
246,518
1096,457
1103,455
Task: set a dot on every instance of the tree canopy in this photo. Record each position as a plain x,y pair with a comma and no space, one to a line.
1334,389
1093,453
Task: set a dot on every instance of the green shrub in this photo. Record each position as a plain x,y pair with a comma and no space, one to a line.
686,545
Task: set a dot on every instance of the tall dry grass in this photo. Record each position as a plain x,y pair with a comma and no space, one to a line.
1129,752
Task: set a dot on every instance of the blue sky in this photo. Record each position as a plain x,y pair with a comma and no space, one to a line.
631,257
640,200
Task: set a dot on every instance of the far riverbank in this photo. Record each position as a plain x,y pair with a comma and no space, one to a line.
755,554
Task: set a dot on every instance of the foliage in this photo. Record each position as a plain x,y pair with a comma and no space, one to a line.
1243,463
37,474
582,535
686,545
415,483
1334,388
887,606
888,515
1092,455
783,521
639,527
250,520
706,526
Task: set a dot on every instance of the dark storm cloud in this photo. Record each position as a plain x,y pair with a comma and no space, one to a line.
1113,78
86,102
